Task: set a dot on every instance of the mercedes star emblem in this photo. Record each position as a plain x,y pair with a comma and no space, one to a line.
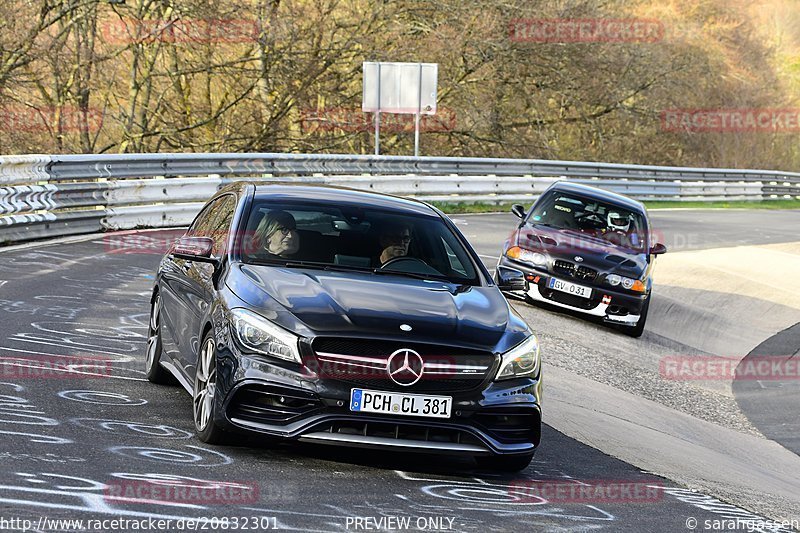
578,259
405,367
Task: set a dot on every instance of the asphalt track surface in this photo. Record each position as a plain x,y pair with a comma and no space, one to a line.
101,442
773,405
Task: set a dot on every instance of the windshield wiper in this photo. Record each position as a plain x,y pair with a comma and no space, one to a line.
414,275
545,224
344,268
310,264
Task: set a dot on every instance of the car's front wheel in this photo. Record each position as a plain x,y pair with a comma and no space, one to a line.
204,398
505,463
153,370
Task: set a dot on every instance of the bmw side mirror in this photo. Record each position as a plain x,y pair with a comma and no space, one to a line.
518,210
509,279
658,249
195,249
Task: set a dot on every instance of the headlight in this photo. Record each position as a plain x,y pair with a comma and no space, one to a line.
521,254
522,360
262,336
630,284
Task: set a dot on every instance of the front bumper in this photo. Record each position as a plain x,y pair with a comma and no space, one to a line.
284,401
607,303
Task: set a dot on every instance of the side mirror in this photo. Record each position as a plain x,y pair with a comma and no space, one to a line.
658,249
194,249
518,210
509,279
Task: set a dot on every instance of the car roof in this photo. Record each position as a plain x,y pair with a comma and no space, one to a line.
341,195
598,194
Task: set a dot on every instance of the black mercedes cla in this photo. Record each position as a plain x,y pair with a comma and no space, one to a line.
584,249
336,316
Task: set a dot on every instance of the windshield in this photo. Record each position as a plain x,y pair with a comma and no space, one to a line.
593,218
357,238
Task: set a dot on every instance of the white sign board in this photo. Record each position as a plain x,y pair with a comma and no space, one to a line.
400,88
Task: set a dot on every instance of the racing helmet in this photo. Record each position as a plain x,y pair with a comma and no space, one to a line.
618,222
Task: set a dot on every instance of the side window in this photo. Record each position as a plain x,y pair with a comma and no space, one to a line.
215,222
455,263
199,227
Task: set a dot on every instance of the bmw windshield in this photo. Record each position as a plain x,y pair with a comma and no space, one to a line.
354,238
611,223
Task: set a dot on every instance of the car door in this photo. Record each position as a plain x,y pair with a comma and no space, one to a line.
200,288
186,284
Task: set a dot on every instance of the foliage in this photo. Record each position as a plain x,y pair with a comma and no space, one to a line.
245,75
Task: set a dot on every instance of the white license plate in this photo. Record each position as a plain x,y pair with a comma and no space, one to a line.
570,288
395,403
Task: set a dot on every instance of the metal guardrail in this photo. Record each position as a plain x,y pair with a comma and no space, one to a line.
55,195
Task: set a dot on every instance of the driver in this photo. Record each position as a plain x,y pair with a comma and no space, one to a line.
617,222
277,235
394,240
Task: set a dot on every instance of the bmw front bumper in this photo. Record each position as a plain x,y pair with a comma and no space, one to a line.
608,303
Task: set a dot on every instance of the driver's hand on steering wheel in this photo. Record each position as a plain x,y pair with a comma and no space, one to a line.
391,252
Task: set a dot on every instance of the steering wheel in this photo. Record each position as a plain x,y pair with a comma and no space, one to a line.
592,219
589,215
405,259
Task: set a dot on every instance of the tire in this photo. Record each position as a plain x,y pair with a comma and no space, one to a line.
204,397
637,330
155,372
505,463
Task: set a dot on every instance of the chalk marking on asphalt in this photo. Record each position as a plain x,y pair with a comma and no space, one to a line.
19,337
109,425
125,358
4,362
35,437
173,456
100,397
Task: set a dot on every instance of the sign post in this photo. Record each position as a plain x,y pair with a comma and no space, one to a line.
403,88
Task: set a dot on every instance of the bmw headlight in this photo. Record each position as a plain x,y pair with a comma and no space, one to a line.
628,283
528,256
520,361
258,334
